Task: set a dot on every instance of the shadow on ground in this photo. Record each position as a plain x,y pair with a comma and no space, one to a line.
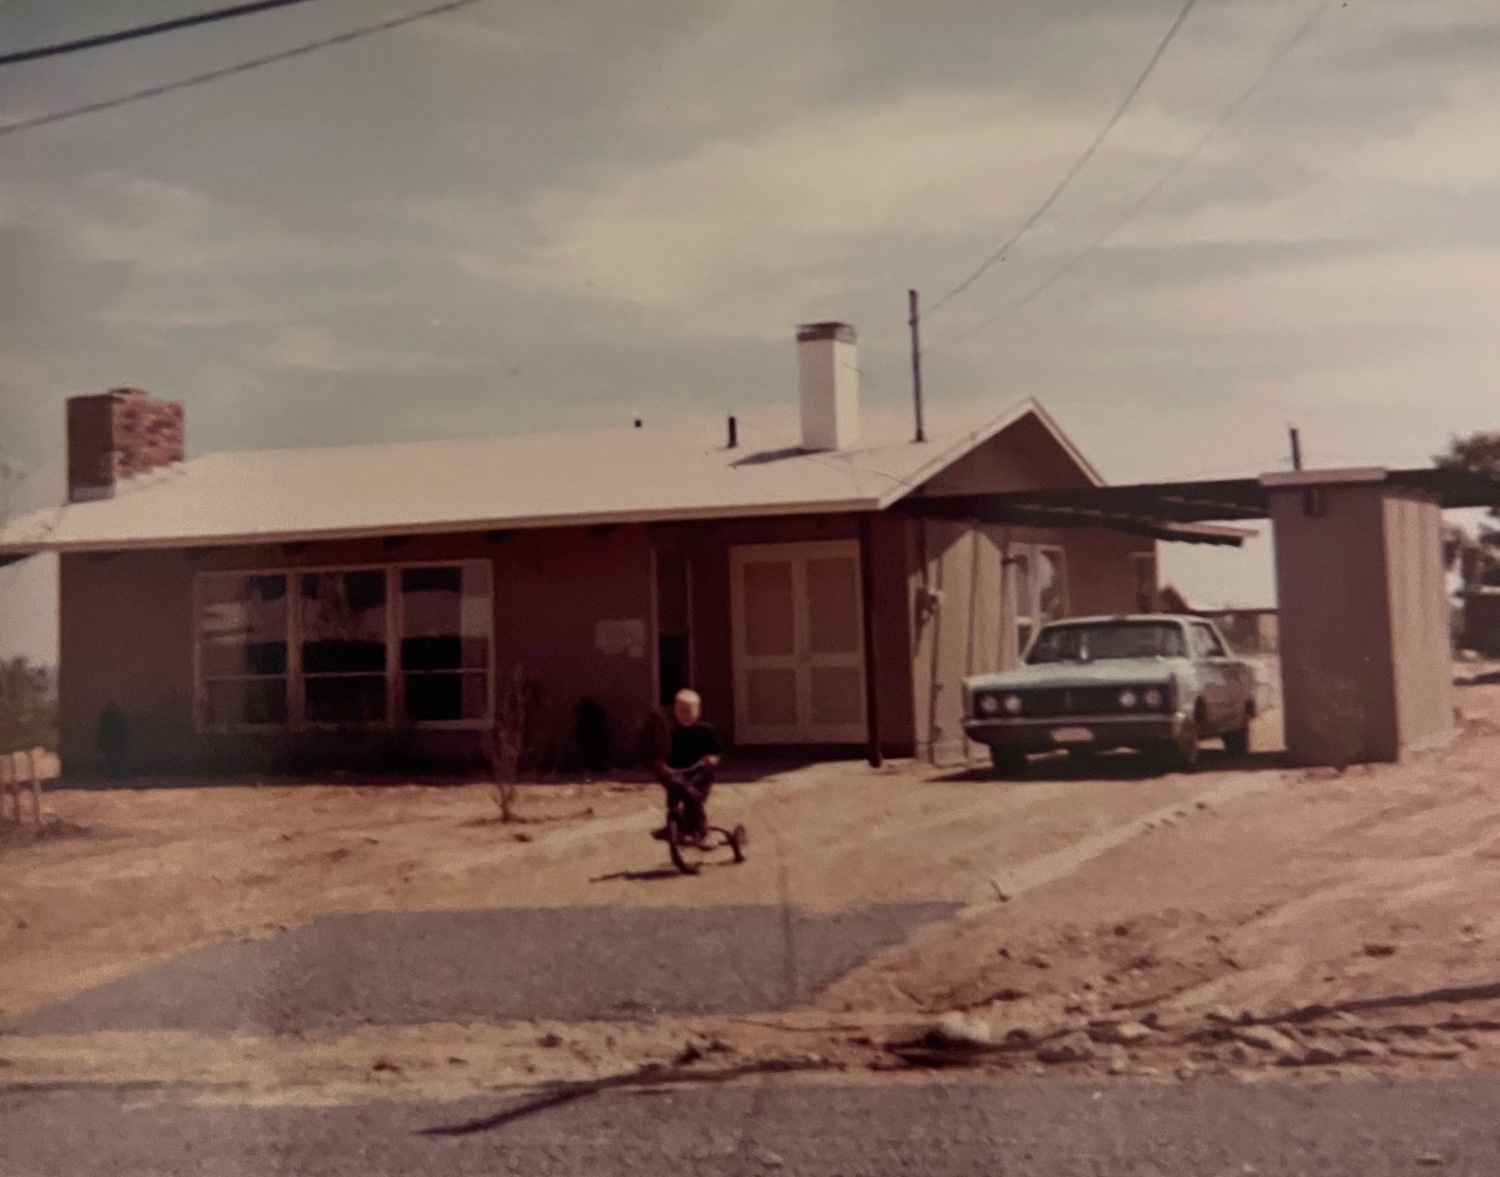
1110,766
738,770
405,968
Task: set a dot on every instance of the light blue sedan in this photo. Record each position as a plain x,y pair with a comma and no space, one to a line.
1155,683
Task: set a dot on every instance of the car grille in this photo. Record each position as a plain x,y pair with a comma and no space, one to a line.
1072,701
1053,702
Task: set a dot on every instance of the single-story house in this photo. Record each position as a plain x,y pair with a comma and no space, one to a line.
318,606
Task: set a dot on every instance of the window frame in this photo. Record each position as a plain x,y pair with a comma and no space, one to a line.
1031,617
295,677
201,679
1213,646
1149,559
395,597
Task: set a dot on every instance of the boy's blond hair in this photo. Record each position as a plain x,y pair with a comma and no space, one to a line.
689,696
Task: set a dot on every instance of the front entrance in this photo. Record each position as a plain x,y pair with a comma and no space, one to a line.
798,643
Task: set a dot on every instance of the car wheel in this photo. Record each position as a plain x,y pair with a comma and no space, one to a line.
1182,753
1008,762
1237,743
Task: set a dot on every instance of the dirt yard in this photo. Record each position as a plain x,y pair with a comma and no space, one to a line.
1243,920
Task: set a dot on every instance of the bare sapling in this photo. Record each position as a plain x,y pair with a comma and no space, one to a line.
506,742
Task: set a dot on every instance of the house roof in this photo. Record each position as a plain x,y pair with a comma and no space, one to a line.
1233,499
631,474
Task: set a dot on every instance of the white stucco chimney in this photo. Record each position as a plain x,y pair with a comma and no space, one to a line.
829,374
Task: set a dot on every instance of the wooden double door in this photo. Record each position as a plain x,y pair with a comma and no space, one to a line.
799,667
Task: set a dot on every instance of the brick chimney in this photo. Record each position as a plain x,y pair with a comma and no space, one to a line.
116,435
826,362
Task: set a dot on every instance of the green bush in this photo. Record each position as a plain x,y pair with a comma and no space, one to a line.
28,706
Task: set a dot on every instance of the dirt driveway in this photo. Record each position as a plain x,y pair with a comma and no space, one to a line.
1241,919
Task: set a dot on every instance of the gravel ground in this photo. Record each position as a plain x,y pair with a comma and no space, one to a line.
404,968
1208,1130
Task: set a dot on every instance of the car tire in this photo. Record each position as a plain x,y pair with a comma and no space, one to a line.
1008,762
1181,755
1237,742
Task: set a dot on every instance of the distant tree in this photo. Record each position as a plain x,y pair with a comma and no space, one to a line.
1479,452
1477,557
28,706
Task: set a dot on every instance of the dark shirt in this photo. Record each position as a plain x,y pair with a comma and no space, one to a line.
691,744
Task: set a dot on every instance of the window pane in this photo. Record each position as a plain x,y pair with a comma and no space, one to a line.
1023,593
242,625
357,699
431,698
343,622
245,702
1145,583
1052,585
446,618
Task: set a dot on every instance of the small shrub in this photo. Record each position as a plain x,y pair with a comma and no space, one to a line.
507,741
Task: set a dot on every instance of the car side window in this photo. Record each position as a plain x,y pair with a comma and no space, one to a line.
1206,643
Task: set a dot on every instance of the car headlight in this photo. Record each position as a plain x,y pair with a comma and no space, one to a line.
989,704
1128,699
1013,704
1153,698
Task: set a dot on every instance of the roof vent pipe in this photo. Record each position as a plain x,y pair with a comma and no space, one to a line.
734,433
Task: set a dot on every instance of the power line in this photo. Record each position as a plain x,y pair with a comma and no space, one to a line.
1079,164
239,68
1178,166
213,16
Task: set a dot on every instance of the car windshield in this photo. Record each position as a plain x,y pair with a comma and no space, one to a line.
1111,639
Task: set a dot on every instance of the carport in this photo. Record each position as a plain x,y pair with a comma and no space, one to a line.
1366,663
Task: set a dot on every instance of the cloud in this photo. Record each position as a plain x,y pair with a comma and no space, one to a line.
313,350
1439,153
724,237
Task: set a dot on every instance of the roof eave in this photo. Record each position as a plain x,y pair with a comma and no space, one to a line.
1022,409
19,551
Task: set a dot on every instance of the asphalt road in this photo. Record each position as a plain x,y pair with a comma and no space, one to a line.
404,968
1042,1128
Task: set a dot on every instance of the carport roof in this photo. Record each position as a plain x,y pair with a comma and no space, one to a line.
1188,511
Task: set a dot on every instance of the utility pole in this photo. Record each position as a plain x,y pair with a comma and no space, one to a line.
1296,447
914,321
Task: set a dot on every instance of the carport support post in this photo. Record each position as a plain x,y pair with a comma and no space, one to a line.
867,620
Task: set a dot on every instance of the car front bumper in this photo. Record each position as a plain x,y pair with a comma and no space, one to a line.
1103,731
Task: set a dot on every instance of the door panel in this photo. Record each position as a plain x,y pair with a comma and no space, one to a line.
837,696
833,606
770,608
771,698
799,649
1213,667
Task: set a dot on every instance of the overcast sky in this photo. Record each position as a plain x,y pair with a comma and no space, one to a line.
535,214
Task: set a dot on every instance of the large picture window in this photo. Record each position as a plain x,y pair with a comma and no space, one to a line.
445,642
344,640
360,647
243,646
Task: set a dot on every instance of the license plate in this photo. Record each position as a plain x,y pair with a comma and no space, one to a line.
1072,735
